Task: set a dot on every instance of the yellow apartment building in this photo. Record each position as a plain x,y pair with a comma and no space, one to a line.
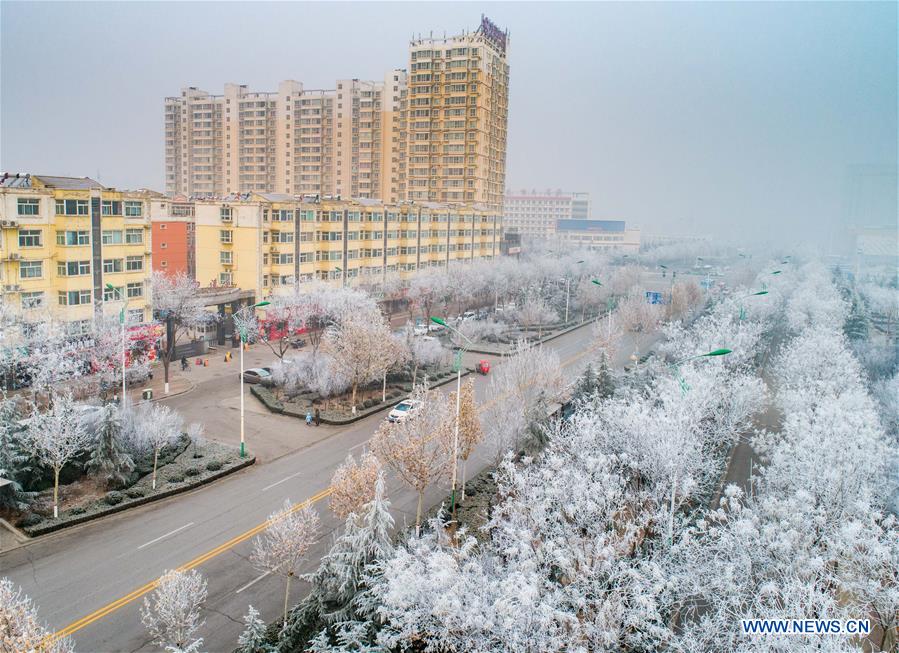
457,114
63,239
269,242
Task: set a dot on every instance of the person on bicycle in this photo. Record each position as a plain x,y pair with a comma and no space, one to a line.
184,363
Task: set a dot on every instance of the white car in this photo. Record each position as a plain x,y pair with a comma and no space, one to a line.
420,330
404,410
433,327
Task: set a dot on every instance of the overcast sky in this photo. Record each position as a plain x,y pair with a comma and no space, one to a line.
736,119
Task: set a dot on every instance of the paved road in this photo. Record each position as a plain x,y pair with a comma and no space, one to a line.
89,580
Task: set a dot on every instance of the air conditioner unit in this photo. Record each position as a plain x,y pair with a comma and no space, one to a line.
14,256
11,288
9,224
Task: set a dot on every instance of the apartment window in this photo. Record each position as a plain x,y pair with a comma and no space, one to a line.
112,294
134,263
111,207
73,268
111,265
265,280
28,206
224,278
284,259
134,209
135,289
134,236
225,236
225,258
282,215
109,237
74,297
30,238
225,213
282,236
31,269
72,207
32,299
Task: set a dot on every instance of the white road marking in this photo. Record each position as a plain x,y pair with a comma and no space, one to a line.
162,537
269,487
361,444
253,582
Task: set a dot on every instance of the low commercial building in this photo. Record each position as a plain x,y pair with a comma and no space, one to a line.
600,235
534,215
63,239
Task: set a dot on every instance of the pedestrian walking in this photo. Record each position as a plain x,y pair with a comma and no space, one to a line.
309,417
184,365
318,417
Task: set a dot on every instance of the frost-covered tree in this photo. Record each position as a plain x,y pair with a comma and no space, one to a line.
20,627
177,301
470,431
157,427
419,448
534,312
57,436
340,606
357,346
529,373
171,614
109,460
253,638
281,548
353,484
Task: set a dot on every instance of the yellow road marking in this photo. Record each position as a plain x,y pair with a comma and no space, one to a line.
75,626
141,591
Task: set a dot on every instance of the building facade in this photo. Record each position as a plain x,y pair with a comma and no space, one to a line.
457,117
173,236
599,235
269,242
534,214
296,141
435,134
63,239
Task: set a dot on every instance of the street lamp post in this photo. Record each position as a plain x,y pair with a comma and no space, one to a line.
608,307
568,292
243,340
112,289
684,387
462,351
752,294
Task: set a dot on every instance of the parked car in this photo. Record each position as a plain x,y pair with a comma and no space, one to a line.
433,327
404,410
468,315
257,374
420,330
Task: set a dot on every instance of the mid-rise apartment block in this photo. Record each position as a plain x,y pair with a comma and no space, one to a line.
534,214
435,134
270,242
294,141
63,239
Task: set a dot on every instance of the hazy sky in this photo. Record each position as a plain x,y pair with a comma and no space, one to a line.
726,118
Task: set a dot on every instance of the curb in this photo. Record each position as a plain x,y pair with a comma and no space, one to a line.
360,414
558,334
134,503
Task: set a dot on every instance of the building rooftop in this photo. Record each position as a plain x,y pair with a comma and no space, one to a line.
69,183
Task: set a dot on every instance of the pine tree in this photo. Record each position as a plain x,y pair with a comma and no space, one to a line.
253,638
605,378
587,383
339,609
109,460
11,495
